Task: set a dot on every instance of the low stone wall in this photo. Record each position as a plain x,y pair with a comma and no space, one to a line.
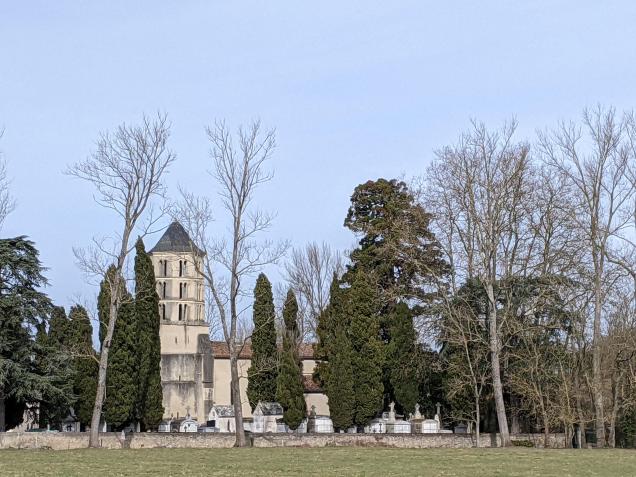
112,440
64,441
405,441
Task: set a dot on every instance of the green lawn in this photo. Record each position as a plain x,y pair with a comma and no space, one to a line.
325,461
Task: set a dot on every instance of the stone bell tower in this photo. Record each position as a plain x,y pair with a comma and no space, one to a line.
186,359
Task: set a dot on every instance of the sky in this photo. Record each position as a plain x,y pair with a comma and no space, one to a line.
356,90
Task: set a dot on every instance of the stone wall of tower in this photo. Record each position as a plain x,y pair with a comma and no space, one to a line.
186,361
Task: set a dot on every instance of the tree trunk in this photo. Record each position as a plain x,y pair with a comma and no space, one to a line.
103,367
579,412
477,420
235,389
2,412
546,431
495,347
597,382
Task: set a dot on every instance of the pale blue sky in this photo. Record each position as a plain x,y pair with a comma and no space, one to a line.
356,91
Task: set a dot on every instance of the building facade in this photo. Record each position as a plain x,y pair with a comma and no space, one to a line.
195,372
186,360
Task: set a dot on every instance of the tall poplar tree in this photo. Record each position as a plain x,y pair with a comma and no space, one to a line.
149,407
84,364
290,389
263,372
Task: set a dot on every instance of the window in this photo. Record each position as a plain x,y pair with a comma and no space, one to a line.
182,290
185,312
163,292
180,312
163,311
165,267
185,267
180,268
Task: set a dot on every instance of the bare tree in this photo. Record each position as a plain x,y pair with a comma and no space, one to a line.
7,204
309,272
126,170
227,264
600,168
466,357
479,186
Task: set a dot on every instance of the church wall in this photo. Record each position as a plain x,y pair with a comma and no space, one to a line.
222,380
309,365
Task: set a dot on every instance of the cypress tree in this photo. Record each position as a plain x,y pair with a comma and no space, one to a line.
84,364
263,372
59,327
54,356
121,381
290,389
339,386
402,353
325,331
367,350
149,395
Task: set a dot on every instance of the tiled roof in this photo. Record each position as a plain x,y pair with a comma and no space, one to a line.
175,239
268,409
223,411
221,350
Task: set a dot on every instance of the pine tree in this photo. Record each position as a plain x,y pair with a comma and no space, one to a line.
121,381
149,407
263,372
84,364
402,353
367,349
290,389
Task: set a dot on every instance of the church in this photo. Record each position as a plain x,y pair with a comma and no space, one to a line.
195,371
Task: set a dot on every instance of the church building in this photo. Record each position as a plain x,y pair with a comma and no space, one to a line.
195,372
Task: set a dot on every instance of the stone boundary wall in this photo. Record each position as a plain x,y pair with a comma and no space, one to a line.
404,441
65,441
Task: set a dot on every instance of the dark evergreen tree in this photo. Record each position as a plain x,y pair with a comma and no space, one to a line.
84,364
290,389
339,386
326,330
367,349
400,252
396,243
149,408
263,372
23,307
121,381
53,358
59,327
403,352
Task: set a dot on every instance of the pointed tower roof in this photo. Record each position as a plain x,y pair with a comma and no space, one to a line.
176,239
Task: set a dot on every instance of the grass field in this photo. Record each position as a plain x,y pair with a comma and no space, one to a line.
325,461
